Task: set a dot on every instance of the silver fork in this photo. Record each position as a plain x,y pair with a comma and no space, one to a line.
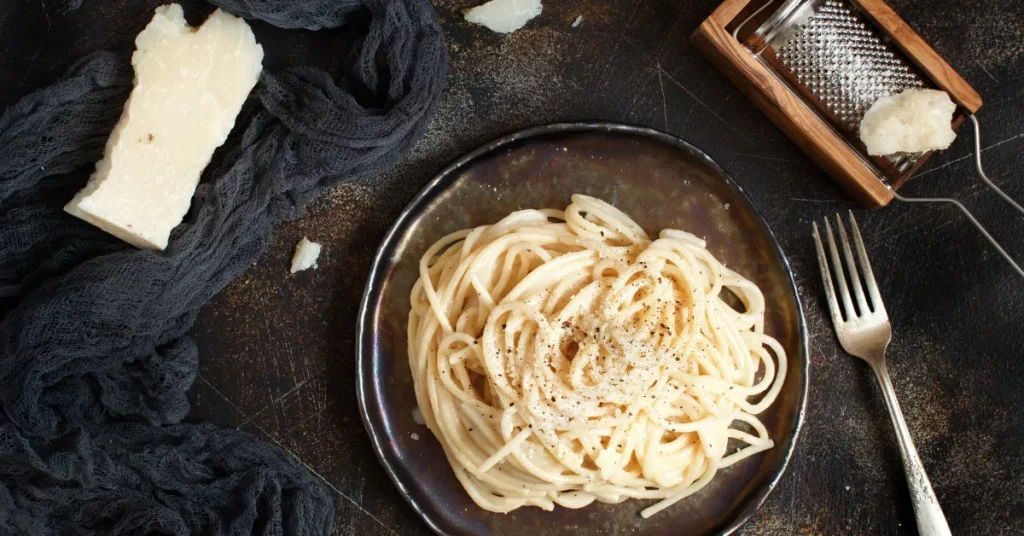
865,332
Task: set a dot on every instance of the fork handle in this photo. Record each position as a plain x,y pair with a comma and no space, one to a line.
930,520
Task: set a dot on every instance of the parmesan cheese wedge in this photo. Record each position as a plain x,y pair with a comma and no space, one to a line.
190,84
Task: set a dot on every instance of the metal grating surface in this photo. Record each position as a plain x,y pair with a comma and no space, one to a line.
845,63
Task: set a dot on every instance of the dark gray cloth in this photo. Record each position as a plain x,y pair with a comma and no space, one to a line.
95,351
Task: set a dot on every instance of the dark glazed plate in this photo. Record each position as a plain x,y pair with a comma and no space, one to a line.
660,181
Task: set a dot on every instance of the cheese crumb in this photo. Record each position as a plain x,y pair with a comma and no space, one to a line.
190,84
576,23
305,256
504,16
914,121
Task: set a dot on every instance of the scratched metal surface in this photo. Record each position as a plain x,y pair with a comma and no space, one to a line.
277,350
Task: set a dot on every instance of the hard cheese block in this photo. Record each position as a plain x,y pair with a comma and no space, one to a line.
190,84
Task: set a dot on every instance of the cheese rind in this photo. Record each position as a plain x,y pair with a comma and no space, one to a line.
190,84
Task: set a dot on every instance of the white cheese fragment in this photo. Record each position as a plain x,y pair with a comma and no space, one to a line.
579,20
504,16
914,121
305,256
190,84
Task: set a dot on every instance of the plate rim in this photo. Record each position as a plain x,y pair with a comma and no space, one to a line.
381,258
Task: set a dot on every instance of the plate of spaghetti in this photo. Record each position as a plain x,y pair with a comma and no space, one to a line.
582,329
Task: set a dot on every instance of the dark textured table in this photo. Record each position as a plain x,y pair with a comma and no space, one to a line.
277,350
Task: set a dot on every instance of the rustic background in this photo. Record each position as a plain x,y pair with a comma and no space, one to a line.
277,350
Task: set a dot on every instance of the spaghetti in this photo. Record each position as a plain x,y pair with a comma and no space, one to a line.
563,357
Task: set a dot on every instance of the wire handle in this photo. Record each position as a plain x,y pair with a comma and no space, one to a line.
981,170
736,31
970,217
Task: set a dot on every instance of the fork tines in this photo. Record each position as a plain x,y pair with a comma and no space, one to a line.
868,305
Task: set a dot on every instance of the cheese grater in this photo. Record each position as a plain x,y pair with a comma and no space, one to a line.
816,66
844,63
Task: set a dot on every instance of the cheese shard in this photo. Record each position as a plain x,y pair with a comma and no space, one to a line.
915,120
306,254
190,84
504,16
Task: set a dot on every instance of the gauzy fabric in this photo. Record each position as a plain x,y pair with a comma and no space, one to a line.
95,348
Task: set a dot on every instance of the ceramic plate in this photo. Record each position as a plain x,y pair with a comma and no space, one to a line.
661,182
